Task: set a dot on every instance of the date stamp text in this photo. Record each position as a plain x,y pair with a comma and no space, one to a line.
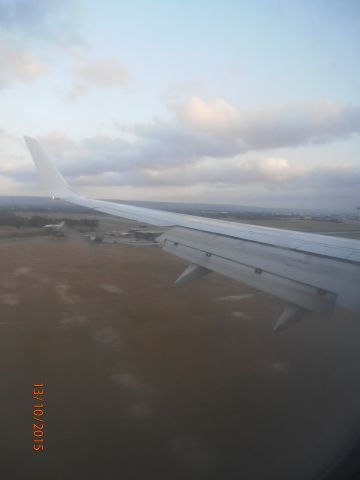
38,416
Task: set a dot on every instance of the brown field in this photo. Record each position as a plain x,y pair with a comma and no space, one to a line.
146,380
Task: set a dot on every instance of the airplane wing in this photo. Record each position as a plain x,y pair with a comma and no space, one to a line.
310,272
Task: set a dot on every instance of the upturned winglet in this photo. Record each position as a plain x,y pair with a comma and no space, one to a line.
52,181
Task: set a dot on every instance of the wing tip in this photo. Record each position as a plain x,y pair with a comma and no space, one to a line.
29,139
50,177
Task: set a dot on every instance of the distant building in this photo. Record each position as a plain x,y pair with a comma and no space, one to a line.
150,235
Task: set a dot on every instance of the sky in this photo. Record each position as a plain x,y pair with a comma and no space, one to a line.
247,102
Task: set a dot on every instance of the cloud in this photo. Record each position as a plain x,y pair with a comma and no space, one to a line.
215,115
267,172
216,146
19,66
56,20
104,73
196,142
270,127
236,171
108,73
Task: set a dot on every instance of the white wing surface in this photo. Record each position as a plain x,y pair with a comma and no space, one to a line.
311,272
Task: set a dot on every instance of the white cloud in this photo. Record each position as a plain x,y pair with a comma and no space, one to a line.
276,169
215,115
269,126
239,151
19,66
195,148
108,73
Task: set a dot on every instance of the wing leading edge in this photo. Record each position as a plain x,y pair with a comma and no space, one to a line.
311,272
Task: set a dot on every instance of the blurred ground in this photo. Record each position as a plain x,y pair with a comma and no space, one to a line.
146,380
